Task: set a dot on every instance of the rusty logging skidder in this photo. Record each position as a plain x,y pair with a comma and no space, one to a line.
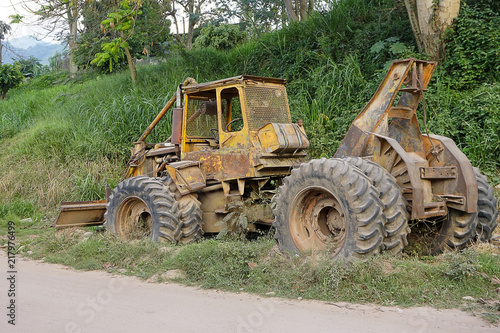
234,153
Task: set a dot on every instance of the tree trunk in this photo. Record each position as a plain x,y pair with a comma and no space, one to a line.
192,22
189,41
303,10
73,31
130,61
131,65
299,10
291,11
310,9
1,46
429,19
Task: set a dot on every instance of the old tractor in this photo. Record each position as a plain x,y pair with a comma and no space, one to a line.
235,159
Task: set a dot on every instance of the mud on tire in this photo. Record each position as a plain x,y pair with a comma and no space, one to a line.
143,205
391,195
328,204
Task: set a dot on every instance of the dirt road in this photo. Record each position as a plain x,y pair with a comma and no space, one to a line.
53,298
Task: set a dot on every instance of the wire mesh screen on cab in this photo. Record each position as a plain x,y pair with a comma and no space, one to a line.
201,117
266,105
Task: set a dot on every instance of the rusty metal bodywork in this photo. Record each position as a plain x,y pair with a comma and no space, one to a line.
433,173
233,141
81,213
239,131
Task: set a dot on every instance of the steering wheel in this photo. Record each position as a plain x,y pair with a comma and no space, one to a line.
232,121
214,132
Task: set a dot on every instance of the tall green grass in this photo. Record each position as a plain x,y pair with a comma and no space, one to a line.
68,139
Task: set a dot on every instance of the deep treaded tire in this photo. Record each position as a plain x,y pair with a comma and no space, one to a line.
487,210
391,195
145,201
457,231
328,204
191,213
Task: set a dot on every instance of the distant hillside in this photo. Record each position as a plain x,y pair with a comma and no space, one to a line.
27,46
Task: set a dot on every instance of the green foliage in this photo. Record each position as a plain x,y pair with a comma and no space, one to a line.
254,16
31,67
327,99
392,48
16,18
20,207
460,266
46,80
471,118
56,62
222,37
234,223
123,21
147,36
215,263
4,29
473,47
354,26
205,62
112,52
10,77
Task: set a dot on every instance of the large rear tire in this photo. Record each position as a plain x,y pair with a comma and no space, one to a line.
487,210
391,195
328,204
143,207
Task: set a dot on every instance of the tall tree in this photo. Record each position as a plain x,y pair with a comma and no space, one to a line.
197,12
254,16
4,29
429,19
60,14
299,10
132,29
123,22
153,25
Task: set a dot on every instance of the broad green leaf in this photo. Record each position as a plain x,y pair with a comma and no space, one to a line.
397,48
377,47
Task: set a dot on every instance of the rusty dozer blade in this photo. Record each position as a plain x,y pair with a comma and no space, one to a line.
81,214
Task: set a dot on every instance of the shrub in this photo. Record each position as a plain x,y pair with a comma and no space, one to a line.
473,47
222,37
10,77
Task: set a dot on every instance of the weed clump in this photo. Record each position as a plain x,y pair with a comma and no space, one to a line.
461,265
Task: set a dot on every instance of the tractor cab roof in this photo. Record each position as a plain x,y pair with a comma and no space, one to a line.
241,79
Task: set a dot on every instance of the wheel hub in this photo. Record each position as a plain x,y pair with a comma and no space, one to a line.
133,219
317,220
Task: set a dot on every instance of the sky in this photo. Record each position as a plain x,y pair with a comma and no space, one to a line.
29,25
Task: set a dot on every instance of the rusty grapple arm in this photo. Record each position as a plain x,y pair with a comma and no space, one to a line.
432,172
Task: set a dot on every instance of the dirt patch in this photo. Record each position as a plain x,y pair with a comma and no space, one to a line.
387,267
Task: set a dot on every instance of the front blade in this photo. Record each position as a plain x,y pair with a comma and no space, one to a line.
81,214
